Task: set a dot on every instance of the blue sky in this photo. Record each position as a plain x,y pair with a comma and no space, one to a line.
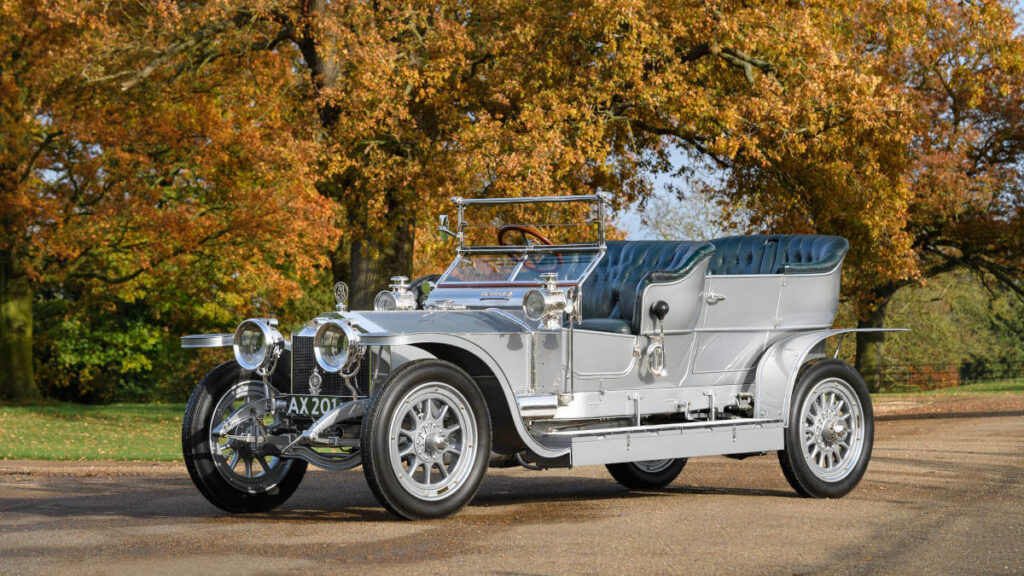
630,219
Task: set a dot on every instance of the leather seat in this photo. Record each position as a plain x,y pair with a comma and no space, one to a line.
777,254
611,294
616,325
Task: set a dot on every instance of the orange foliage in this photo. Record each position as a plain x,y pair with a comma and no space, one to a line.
194,190
205,129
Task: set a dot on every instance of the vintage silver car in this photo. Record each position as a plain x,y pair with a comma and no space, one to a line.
632,354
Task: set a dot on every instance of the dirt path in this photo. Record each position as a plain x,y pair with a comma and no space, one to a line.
944,494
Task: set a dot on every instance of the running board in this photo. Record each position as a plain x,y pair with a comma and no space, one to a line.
682,440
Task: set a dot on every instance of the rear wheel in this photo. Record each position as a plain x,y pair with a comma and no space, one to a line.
831,431
647,474
426,440
231,473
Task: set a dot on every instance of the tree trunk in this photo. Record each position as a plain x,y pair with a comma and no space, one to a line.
366,270
370,274
870,362
16,378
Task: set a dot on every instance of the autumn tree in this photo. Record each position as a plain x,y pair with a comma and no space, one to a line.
419,101
961,68
923,181
387,109
192,197
416,102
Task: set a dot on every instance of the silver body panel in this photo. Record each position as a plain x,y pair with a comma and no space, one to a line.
715,351
733,346
727,336
672,441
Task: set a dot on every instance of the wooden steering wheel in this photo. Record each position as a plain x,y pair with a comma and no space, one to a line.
526,232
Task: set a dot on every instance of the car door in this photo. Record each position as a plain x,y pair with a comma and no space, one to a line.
739,311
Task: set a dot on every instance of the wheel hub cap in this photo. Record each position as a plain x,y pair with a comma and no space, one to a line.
430,440
433,439
241,463
835,432
831,428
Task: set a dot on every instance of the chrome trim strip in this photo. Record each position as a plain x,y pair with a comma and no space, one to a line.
661,427
527,199
207,340
812,275
544,248
740,329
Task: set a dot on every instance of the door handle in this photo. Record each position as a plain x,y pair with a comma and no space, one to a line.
714,297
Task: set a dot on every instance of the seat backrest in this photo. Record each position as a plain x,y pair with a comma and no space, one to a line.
777,254
612,288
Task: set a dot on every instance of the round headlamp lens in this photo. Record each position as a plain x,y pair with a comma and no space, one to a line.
250,345
332,345
533,305
384,301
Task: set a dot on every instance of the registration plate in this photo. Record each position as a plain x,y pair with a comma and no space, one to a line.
314,406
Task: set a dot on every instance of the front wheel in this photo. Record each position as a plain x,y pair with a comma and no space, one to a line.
426,440
647,474
233,474
831,431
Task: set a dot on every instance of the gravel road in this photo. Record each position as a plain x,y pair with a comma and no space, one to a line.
944,495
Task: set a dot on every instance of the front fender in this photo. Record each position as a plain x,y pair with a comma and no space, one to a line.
779,366
430,341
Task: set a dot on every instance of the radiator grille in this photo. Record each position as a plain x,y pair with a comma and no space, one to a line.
303,363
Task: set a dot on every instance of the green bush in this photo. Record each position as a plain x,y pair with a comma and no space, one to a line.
115,351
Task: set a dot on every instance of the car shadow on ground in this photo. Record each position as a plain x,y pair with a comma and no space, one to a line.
507,490
326,497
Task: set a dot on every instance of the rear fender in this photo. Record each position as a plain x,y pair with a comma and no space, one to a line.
780,365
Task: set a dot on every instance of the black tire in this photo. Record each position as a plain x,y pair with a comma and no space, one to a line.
644,477
198,452
390,406
797,466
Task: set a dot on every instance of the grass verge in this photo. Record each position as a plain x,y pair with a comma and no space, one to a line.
74,432
1015,386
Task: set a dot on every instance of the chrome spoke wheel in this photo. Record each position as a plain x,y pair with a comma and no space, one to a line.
239,461
832,429
432,441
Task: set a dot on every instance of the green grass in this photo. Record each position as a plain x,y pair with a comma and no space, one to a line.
993,387
74,432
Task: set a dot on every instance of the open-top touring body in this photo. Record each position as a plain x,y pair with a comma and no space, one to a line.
632,354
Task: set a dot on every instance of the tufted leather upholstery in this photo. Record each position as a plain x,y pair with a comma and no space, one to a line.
612,292
777,254
611,295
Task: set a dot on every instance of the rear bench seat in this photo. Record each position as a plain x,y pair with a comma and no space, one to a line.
612,293
777,254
